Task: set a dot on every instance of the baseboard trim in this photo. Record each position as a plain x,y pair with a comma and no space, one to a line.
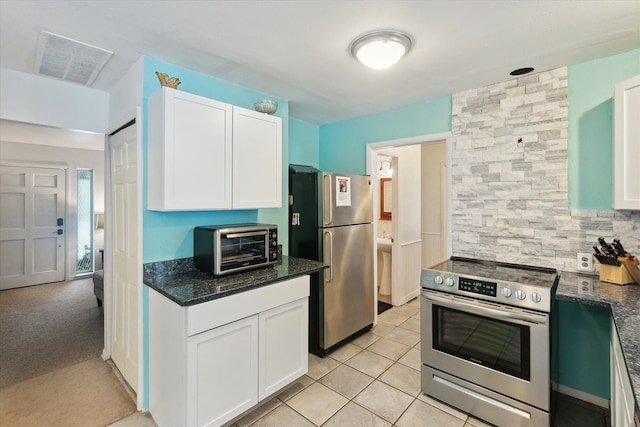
581,395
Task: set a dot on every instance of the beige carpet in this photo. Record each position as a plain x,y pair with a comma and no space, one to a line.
85,394
51,372
48,327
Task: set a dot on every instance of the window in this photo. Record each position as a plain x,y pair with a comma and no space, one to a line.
84,247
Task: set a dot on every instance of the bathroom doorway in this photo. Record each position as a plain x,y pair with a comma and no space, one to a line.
415,231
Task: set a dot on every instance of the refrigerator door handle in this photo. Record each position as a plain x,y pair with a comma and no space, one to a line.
330,246
327,203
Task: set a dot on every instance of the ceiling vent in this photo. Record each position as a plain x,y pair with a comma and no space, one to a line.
68,59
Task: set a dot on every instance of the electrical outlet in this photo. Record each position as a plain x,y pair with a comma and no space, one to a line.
585,262
585,286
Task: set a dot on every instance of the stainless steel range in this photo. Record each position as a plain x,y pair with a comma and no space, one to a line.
486,339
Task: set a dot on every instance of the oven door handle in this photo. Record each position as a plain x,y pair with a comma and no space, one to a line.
476,308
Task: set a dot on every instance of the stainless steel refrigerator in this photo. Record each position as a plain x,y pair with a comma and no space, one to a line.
331,221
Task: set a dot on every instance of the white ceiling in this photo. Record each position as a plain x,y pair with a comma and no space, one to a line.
299,50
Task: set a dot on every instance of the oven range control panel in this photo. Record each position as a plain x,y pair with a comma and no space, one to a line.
516,294
477,286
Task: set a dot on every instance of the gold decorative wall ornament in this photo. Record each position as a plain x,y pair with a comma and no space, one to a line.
167,81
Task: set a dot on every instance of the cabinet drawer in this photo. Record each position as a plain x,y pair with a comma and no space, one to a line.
219,312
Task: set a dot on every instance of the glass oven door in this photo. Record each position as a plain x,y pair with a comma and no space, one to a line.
498,347
496,344
242,249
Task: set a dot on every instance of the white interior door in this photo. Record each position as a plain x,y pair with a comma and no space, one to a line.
407,244
32,241
124,208
434,187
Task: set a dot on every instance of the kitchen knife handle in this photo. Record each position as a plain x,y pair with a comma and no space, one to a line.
619,247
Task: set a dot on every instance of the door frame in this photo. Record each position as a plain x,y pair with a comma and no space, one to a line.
108,259
372,151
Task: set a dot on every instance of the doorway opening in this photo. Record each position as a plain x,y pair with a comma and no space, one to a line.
413,217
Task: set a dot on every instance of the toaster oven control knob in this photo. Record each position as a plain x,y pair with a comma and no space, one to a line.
506,292
438,280
535,297
448,281
520,295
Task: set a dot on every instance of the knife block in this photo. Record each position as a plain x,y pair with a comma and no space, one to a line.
623,275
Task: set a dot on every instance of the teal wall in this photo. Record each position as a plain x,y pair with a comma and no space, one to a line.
582,354
590,136
343,144
169,235
304,143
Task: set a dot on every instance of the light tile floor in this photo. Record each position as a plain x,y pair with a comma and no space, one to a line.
372,381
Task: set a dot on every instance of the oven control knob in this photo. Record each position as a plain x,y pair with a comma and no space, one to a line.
520,295
448,281
438,280
506,292
535,297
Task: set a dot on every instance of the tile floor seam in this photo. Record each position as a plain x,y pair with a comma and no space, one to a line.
403,412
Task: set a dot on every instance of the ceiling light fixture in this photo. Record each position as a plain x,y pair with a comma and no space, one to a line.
381,49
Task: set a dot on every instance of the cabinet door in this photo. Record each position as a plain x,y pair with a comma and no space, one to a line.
283,346
189,155
222,372
626,173
257,160
622,397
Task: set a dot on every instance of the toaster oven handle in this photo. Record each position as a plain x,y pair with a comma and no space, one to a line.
480,309
247,234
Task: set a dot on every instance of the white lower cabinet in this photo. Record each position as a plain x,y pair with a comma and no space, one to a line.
210,362
283,346
227,356
622,397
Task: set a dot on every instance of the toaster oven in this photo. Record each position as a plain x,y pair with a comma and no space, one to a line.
225,249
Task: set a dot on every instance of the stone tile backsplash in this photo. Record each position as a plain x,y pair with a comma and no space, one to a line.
509,166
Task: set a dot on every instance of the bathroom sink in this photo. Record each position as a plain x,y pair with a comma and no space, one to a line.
384,265
384,244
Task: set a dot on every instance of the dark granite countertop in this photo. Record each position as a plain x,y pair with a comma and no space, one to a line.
624,302
180,281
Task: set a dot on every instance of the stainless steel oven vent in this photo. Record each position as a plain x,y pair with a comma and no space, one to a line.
69,59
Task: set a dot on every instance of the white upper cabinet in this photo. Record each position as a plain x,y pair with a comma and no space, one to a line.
626,151
206,155
257,160
189,152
